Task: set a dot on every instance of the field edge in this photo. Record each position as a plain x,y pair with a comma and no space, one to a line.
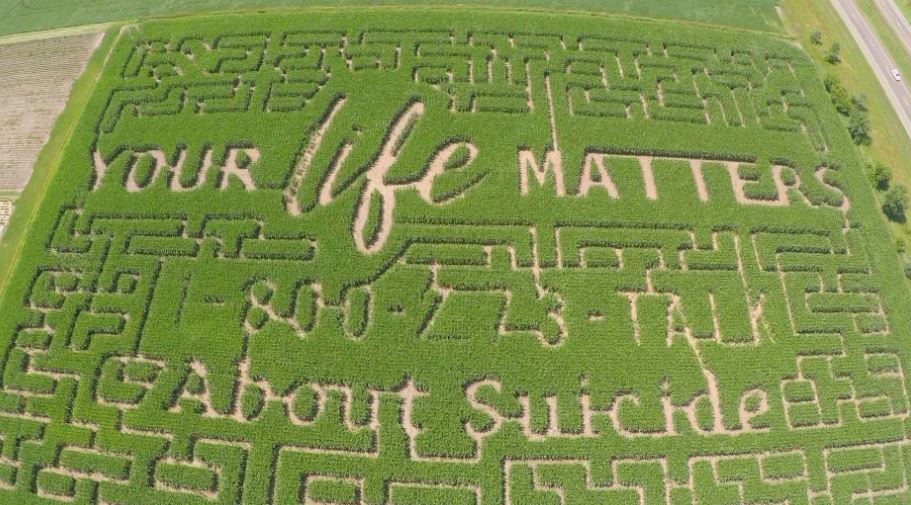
50,157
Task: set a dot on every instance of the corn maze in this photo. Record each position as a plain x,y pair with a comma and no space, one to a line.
339,259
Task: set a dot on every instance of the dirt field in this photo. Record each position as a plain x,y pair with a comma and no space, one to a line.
36,77
6,209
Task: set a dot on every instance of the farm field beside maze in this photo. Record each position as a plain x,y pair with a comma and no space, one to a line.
32,15
36,76
439,256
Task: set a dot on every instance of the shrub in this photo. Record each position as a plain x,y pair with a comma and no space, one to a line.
859,127
833,55
816,38
880,174
895,202
841,99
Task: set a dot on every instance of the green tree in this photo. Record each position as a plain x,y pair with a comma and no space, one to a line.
895,202
859,127
833,55
841,99
880,174
816,38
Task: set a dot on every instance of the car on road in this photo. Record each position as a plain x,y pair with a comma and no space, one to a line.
896,74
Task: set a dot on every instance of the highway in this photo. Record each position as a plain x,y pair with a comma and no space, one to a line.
896,20
877,55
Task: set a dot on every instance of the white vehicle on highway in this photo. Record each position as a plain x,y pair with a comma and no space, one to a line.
896,75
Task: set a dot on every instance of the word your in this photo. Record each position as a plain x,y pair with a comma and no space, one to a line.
144,167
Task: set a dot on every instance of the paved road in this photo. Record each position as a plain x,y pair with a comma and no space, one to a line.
896,20
877,55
